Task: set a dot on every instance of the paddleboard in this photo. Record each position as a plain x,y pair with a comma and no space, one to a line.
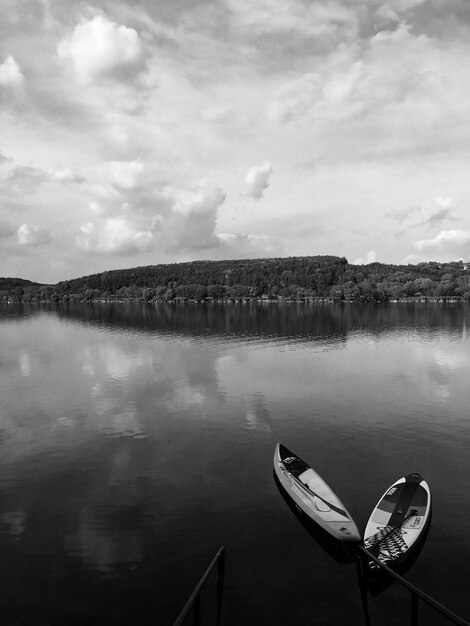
313,496
398,520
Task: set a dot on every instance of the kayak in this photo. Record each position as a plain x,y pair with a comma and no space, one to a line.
398,521
310,493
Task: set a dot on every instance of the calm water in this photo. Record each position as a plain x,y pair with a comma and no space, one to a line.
137,439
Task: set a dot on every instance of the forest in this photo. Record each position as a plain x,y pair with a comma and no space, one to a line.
292,278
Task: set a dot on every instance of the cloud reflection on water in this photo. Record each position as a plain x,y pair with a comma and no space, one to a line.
123,437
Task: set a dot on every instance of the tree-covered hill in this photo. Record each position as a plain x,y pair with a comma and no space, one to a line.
291,278
16,286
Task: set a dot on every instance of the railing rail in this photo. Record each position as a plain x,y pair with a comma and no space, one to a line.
416,594
194,600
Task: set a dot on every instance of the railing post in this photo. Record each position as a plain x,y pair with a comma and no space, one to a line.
194,601
197,610
220,585
360,564
414,609
416,594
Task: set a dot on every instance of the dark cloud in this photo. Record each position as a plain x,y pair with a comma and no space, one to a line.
24,180
442,19
429,214
6,230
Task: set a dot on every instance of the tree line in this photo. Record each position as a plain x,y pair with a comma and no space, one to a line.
291,278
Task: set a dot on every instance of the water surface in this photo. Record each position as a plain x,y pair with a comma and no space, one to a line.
137,439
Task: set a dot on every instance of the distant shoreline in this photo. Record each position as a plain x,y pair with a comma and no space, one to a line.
291,279
404,300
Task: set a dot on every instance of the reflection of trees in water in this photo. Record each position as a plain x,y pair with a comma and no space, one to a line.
296,320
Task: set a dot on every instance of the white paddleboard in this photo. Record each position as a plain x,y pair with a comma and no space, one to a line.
313,496
398,520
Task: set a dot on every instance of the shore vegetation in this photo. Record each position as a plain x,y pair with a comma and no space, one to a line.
309,278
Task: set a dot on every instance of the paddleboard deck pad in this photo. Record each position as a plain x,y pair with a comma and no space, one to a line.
313,496
398,520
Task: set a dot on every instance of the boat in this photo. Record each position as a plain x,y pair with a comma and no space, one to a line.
399,522
312,496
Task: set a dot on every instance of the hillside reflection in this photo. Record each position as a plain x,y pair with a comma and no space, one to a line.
300,321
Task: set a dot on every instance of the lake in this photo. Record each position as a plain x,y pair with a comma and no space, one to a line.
136,439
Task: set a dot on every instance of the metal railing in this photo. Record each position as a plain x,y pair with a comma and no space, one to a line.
194,600
416,594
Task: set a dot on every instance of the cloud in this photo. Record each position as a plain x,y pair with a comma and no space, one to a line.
125,174
269,17
380,96
257,180
358,81
391,12
247,245
191,226
413,259
358,105
135,218
67,176
24,179
430,213
371,257
6,230
99,48
447,245
20,183
444,238
31,235
10,73
117,235
438,210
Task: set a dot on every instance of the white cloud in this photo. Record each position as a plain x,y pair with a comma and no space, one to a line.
445,239
10,73
371,257
191,224
246,245
32,235
200,201
438,209
113,236
67,176
101,48
430,213
140,219
257,180
448,245
412,259
125,174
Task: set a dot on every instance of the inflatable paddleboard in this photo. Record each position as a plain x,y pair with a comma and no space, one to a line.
313,496
398,520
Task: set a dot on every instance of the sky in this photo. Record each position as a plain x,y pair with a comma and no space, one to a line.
142,132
